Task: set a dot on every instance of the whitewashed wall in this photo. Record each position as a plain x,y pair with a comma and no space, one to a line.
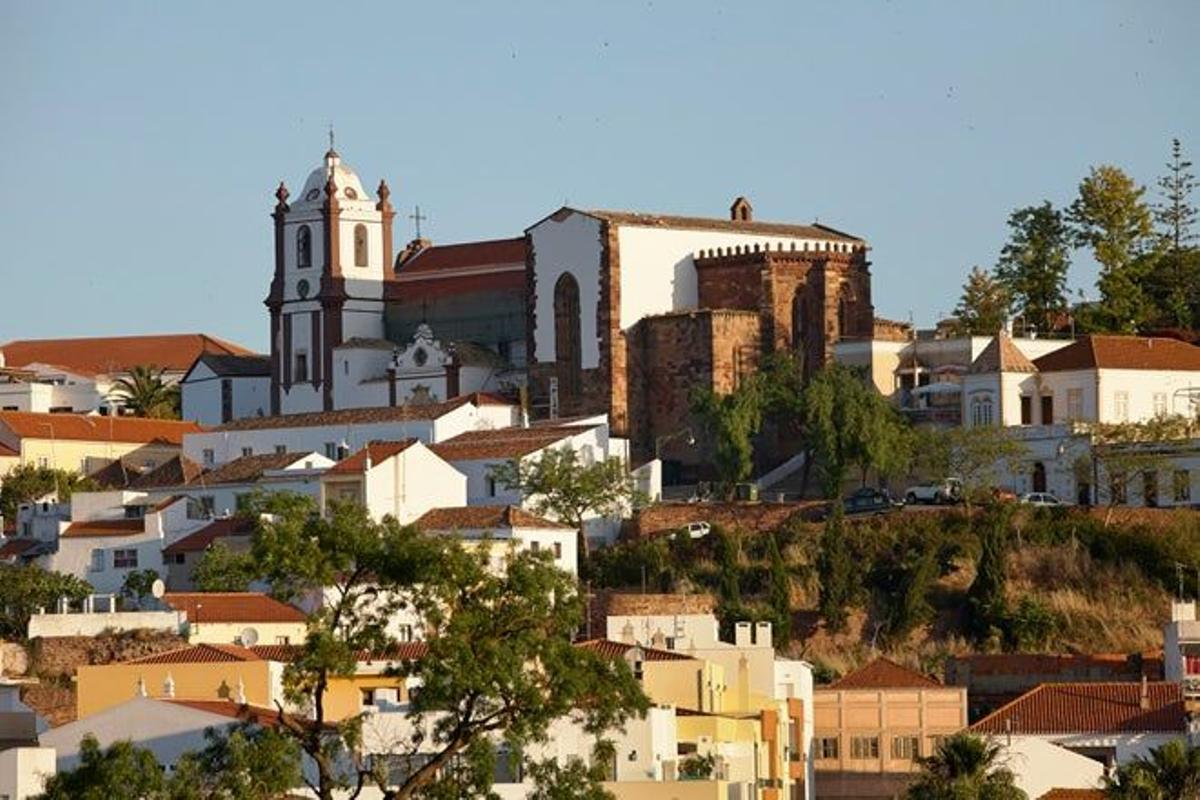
201,396
408,485
74,557
572,245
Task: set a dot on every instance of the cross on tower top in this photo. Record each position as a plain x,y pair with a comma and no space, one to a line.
417,217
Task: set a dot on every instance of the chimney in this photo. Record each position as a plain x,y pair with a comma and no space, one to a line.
742,634
1144,700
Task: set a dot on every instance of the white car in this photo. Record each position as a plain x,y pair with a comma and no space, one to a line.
1041,499
948,490
694,530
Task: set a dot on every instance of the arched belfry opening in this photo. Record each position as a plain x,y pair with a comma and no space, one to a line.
568,344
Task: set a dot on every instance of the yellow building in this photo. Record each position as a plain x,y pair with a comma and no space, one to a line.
85,444
873,725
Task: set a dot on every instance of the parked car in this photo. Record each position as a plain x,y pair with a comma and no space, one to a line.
871,501
1041,499
945,491
694,530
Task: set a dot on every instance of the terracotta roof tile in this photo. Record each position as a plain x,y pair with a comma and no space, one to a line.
104,527
483,518
7,452
249,469
502,443
80,427
814,231
358,416
177,471
607,648
883,673
1073,794
112,354
202,607
465,255
203,538
1122,352
200,654
377,451
257,715
1001,355
1090,708
13,548
401,651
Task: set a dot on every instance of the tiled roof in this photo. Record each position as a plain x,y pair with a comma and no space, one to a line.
111,354
401,651
79,427
200,654
176,471
203,538
1090,708
204,607
610,649
814,231
1122,352
499,443
248,365
466,255
981,664
483,518
1001,355
249,469
104,527
1073,794
885,674
257,715
7,452
12,548
359,416
378,452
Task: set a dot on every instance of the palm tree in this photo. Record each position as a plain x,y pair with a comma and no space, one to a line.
1171,772
964,767
144,393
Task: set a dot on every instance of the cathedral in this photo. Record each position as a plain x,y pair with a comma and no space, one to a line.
587,312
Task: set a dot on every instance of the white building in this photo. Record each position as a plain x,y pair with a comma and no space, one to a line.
223,489
220,388
401,479
1181,647
504,525
24,763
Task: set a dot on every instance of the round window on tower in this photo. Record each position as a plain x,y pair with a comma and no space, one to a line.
351,194
420,356
313,194
302,288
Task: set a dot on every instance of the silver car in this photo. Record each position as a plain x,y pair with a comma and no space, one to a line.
1041,499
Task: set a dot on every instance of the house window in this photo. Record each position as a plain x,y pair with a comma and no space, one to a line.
360,245
905,748
304,247
125,558
1047,409
331,450
1026,410
864,747
280,449
827,747
179,558
1121,406
300,373
247,452
97,561
1183,486
226,400
558,550
1116,490
368,697
490,484
43,462
241,501
981,411
1150,488
208,457
1075,403
207,505
285,640
1160,404
404,633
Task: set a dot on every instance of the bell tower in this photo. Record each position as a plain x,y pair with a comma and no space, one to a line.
333,246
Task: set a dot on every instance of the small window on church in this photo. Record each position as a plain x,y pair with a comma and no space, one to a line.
304,247
360,245
300,373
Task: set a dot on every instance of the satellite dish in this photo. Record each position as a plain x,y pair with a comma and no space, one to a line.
158,588
249,637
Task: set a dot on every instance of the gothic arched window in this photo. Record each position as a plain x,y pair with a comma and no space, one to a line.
360,245
304,247
568,346
799,334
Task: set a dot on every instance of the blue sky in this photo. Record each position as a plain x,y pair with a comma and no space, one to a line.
142,142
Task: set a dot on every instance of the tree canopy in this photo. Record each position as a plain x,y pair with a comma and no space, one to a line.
1170,772
964,767
984,305
145,393
27,482
1033,264
25,588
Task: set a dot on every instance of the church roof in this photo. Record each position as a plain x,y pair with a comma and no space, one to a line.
349,187
465,255
106,355
1001,355
647,220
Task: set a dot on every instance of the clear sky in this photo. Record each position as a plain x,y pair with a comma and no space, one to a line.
142,142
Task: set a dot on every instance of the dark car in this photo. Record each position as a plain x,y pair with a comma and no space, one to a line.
871,501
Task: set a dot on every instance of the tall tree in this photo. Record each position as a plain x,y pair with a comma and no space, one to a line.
145,393
780,592
964,767
984,306
560,485
986,600
1175,214
1111,217
730,422
837,572
1174,282
1033,264
28,482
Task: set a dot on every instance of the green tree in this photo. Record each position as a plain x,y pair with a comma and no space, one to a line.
145,393
139,584
964,767
901,577
987,605
26,588
1033,264
122,770
1170,772
837,572
246,762
731,422
729,553
560,485
28,482
976,455
984,305
1174,282
499,660
223,569
1176,215
780,593
1111,218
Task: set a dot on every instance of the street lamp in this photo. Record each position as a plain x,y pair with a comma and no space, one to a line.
661,440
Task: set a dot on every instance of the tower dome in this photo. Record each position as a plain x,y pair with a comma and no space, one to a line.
349,187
